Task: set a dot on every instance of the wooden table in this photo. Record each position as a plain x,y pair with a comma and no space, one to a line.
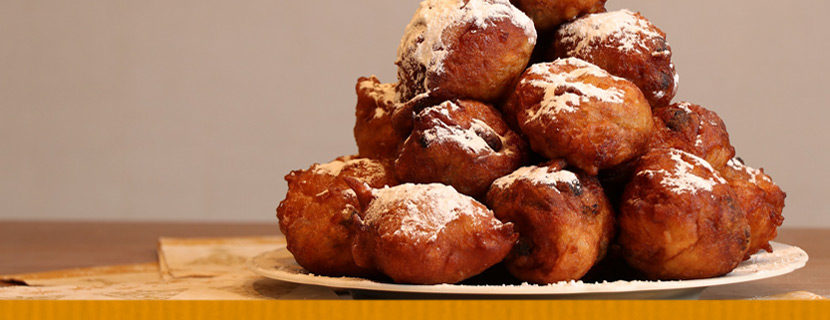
27,246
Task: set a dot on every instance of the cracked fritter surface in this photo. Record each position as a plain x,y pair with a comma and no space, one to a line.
376,130
572,109
462,143
547,14
427,233
679,219
694,129
464,49
316,214
564,220
625,44
761,199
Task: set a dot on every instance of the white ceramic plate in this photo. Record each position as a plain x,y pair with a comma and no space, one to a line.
280,265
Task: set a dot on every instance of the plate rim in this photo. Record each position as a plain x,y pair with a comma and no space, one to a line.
561,288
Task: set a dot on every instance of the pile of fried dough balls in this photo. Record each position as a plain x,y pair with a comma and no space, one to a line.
497,150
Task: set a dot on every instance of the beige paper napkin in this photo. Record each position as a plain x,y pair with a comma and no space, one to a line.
189,269
238,286
90,277
208,257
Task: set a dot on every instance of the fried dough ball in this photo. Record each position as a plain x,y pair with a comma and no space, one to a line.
462,143
564,220
473,49
547,14
573,109
761,199
683,126
694,129
316,213
375,131
679,219
427,233
626,45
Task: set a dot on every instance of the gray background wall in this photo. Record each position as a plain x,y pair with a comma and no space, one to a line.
194,110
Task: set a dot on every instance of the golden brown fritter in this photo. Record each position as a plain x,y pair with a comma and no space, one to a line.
683,126
315,215
694,129
464,49
570,108
761,199
462,143
626,45
427,233
547,14
375,131
564,220
679,219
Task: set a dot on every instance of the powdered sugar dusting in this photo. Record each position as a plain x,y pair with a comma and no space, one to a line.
440,131
480,126
753,173
423,41
658,93
564,92
620,26
761,262
676,78
536,175
424,209
332,168
385,94
379,113
681,178
465,138
685,106
370,167
369,170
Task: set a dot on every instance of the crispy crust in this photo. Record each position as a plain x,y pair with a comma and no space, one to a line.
565,226
375,131
469,71
547,14
315,215
694,129
464,144
761,199
673,227
647,63
598,134
390,237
